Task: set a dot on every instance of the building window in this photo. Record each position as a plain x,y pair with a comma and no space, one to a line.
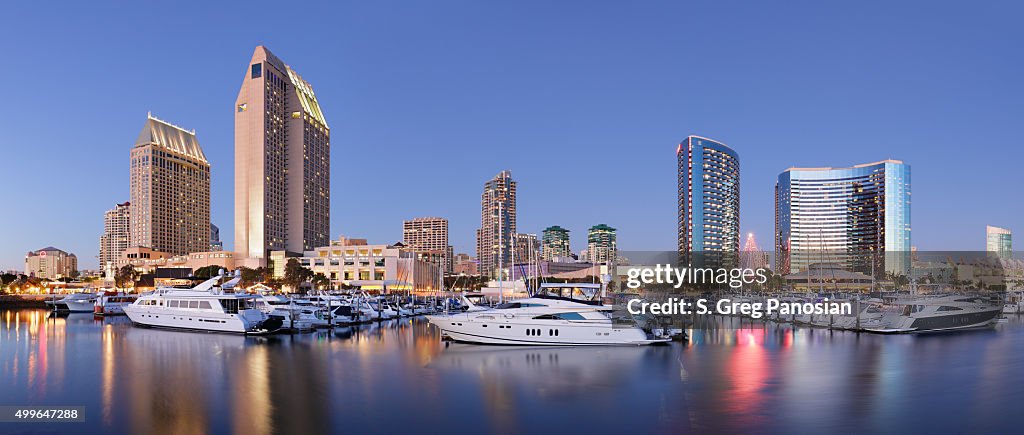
257,70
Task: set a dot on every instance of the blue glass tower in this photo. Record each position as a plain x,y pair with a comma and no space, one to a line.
857,217
709,203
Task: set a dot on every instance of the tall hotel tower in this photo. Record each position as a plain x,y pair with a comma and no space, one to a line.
709,203
282,162
497,223
857,217
116,235
170,190
428,237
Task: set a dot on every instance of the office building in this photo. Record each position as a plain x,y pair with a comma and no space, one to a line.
116,234
555,244
282,162
999,241
215,243
51,263
856,217
497,223
428,238
601,245
527,248
708,231
170,190
465,265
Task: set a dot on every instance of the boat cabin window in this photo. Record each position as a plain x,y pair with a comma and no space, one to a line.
947,308
204,305
561,316
230,305
172,304
509,305
193,304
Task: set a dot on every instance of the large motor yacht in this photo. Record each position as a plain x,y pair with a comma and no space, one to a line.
113,303
558,315
941,313
74,303
205,307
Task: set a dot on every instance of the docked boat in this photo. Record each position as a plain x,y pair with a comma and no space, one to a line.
205,307
292,316
941,313
112,303
74,303
559,315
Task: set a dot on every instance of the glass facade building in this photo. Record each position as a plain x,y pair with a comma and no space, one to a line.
857,217
708,230
999,241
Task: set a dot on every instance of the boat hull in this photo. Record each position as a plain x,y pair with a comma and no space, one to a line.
191,321
555,333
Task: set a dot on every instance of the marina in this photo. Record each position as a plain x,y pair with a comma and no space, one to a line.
398,375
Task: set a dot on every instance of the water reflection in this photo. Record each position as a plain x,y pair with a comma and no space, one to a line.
396,376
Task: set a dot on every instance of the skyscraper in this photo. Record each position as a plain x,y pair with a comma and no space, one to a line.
527,248
752,257
497,223
601,245
282,161
708,231
170,190
555,243
857,217
116,234
215,243
428,238
999,241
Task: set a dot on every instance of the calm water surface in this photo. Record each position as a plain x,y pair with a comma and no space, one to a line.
398,376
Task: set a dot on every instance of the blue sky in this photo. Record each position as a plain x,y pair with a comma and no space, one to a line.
584,102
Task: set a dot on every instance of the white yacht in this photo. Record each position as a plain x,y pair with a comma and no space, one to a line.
559,315
293,316
74,303
941,313
205,307
112,303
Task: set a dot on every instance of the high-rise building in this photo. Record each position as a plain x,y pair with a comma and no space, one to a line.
282,162
555,243
527,248
116,234
215,243
857,218
999,241
497,223
51,263
170,190
601,247
708,230
428,238
752,257
465,265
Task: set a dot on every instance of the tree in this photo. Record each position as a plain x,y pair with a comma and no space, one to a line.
125,274
207,272
320,281
295,274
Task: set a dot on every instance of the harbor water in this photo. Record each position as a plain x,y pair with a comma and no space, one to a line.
397,376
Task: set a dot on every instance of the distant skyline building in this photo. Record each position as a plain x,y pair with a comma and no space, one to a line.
527,248
857,217
282,162
708,230
116,235
215,243
555,243
428,237
51,263
170,190
464,264
999,241
497,223
752,257
601,244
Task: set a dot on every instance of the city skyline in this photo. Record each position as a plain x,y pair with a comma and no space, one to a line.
811,104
